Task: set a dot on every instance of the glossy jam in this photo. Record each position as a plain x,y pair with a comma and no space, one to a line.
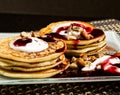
113,68
22,42
94,32
97,32
62,28
88,29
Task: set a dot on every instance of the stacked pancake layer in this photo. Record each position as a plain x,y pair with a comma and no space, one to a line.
46,62
80,37
90,46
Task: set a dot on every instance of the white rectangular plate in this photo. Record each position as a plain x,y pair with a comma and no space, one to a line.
112,39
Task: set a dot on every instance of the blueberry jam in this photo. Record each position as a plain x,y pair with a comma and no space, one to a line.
22,42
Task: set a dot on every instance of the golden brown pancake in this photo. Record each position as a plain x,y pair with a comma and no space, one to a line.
6,66
41,64
49,28
90,52
7,62
50,53
96,44
38,74
87,49
89,38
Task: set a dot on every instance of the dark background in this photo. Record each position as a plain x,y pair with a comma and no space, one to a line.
19,15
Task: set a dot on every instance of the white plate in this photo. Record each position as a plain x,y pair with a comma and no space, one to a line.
112,39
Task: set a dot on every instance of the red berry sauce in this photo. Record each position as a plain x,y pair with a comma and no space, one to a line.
22,42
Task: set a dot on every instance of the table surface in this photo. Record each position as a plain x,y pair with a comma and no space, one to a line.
84,88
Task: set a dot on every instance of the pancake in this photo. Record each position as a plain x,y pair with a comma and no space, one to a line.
32,57
52,52
85,46
85,42
31,69
90,52
84,50
38,74
7,62
98,34
49,28
80,37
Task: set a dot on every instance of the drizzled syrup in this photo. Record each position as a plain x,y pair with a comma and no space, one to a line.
22,42
97,32
111,68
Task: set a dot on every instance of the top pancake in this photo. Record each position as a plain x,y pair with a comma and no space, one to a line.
49,28
98,35
54,50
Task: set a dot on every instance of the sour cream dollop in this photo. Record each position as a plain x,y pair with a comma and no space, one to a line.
29,45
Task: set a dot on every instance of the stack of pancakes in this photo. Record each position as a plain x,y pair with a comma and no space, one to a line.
91,46
42,64
89,39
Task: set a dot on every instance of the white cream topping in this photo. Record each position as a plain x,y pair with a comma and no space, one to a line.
70,34
55,28
35,45
99,61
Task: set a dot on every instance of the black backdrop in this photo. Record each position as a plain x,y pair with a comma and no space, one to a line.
19,15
